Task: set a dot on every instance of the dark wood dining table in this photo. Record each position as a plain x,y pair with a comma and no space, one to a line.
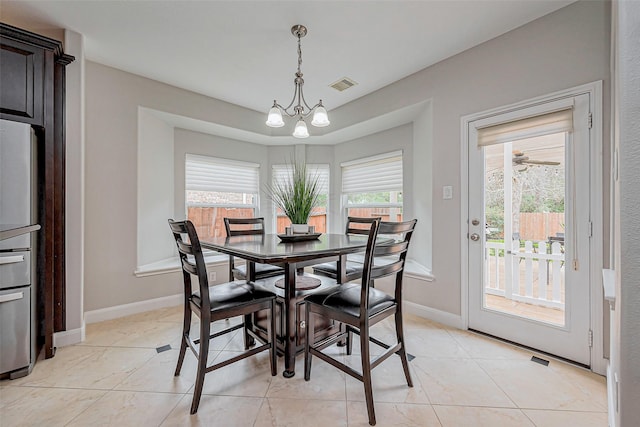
293,257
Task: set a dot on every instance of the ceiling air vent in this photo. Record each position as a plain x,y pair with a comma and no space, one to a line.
343,83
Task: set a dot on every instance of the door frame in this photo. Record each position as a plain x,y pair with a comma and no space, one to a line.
596,297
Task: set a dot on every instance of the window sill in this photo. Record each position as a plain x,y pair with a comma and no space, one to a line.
412,268
172,265
418,271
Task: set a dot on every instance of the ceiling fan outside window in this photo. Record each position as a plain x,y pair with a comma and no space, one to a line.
521,161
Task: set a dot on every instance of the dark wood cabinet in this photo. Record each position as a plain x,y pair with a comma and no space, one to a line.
22,94
32,90
323,326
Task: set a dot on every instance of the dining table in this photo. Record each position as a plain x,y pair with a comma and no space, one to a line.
292,254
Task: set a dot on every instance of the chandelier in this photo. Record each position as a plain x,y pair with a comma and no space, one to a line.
320,118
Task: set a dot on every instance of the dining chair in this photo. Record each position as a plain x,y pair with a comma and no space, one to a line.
355,226
212,303
248,227
359,306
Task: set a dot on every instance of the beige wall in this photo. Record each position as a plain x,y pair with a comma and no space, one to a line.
155,185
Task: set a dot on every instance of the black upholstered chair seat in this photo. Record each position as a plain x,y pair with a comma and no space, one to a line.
232,294
330,269
346,299
262,271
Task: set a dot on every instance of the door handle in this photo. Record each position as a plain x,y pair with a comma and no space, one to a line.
11,259
11,297
475,237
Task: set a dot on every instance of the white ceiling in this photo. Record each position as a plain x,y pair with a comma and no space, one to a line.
243,52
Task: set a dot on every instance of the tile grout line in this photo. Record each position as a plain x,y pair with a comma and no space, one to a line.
496,384
173,409
260,408
88,407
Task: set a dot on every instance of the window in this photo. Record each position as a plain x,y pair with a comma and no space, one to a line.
218,188
372,187
318,217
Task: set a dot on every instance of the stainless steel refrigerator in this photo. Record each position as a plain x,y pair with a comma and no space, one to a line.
18,240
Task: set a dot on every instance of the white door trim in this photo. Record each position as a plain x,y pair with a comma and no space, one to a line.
594,89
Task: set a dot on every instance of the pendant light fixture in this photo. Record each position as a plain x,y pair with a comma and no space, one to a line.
320,117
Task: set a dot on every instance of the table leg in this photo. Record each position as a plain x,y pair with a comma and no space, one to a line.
341,277
342,269
250,271
290,325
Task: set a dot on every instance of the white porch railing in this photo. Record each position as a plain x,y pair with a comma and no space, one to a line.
537,276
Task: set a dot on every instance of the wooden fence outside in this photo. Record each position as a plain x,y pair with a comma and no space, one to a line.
537,226
387,214
209,221
319,221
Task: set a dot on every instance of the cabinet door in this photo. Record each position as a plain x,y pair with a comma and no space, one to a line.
323,327
22,72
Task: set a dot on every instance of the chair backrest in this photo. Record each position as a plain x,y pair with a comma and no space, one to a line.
395,251
244,226
372,232
393,254
191,259
358,225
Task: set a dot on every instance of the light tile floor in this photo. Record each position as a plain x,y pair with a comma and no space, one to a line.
117,378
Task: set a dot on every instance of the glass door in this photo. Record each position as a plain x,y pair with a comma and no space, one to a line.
529,222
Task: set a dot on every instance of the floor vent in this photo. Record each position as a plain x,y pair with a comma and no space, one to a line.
343,84
539,360
163,348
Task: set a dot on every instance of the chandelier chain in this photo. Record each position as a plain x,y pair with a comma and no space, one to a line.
299,55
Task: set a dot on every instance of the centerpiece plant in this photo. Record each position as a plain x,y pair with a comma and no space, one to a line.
297,194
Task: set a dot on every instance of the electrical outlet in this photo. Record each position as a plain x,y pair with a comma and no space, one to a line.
212,276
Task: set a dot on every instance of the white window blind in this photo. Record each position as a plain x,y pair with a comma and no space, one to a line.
373,174
284,172
544,124
204,173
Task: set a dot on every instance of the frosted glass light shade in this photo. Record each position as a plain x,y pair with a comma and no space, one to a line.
320,117
300,130
274,119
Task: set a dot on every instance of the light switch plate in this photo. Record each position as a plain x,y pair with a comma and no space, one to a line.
447,192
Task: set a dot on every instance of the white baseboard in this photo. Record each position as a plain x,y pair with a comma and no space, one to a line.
449,319
65,338
117,311
611,396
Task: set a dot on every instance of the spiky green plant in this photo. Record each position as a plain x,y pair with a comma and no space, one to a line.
296,196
